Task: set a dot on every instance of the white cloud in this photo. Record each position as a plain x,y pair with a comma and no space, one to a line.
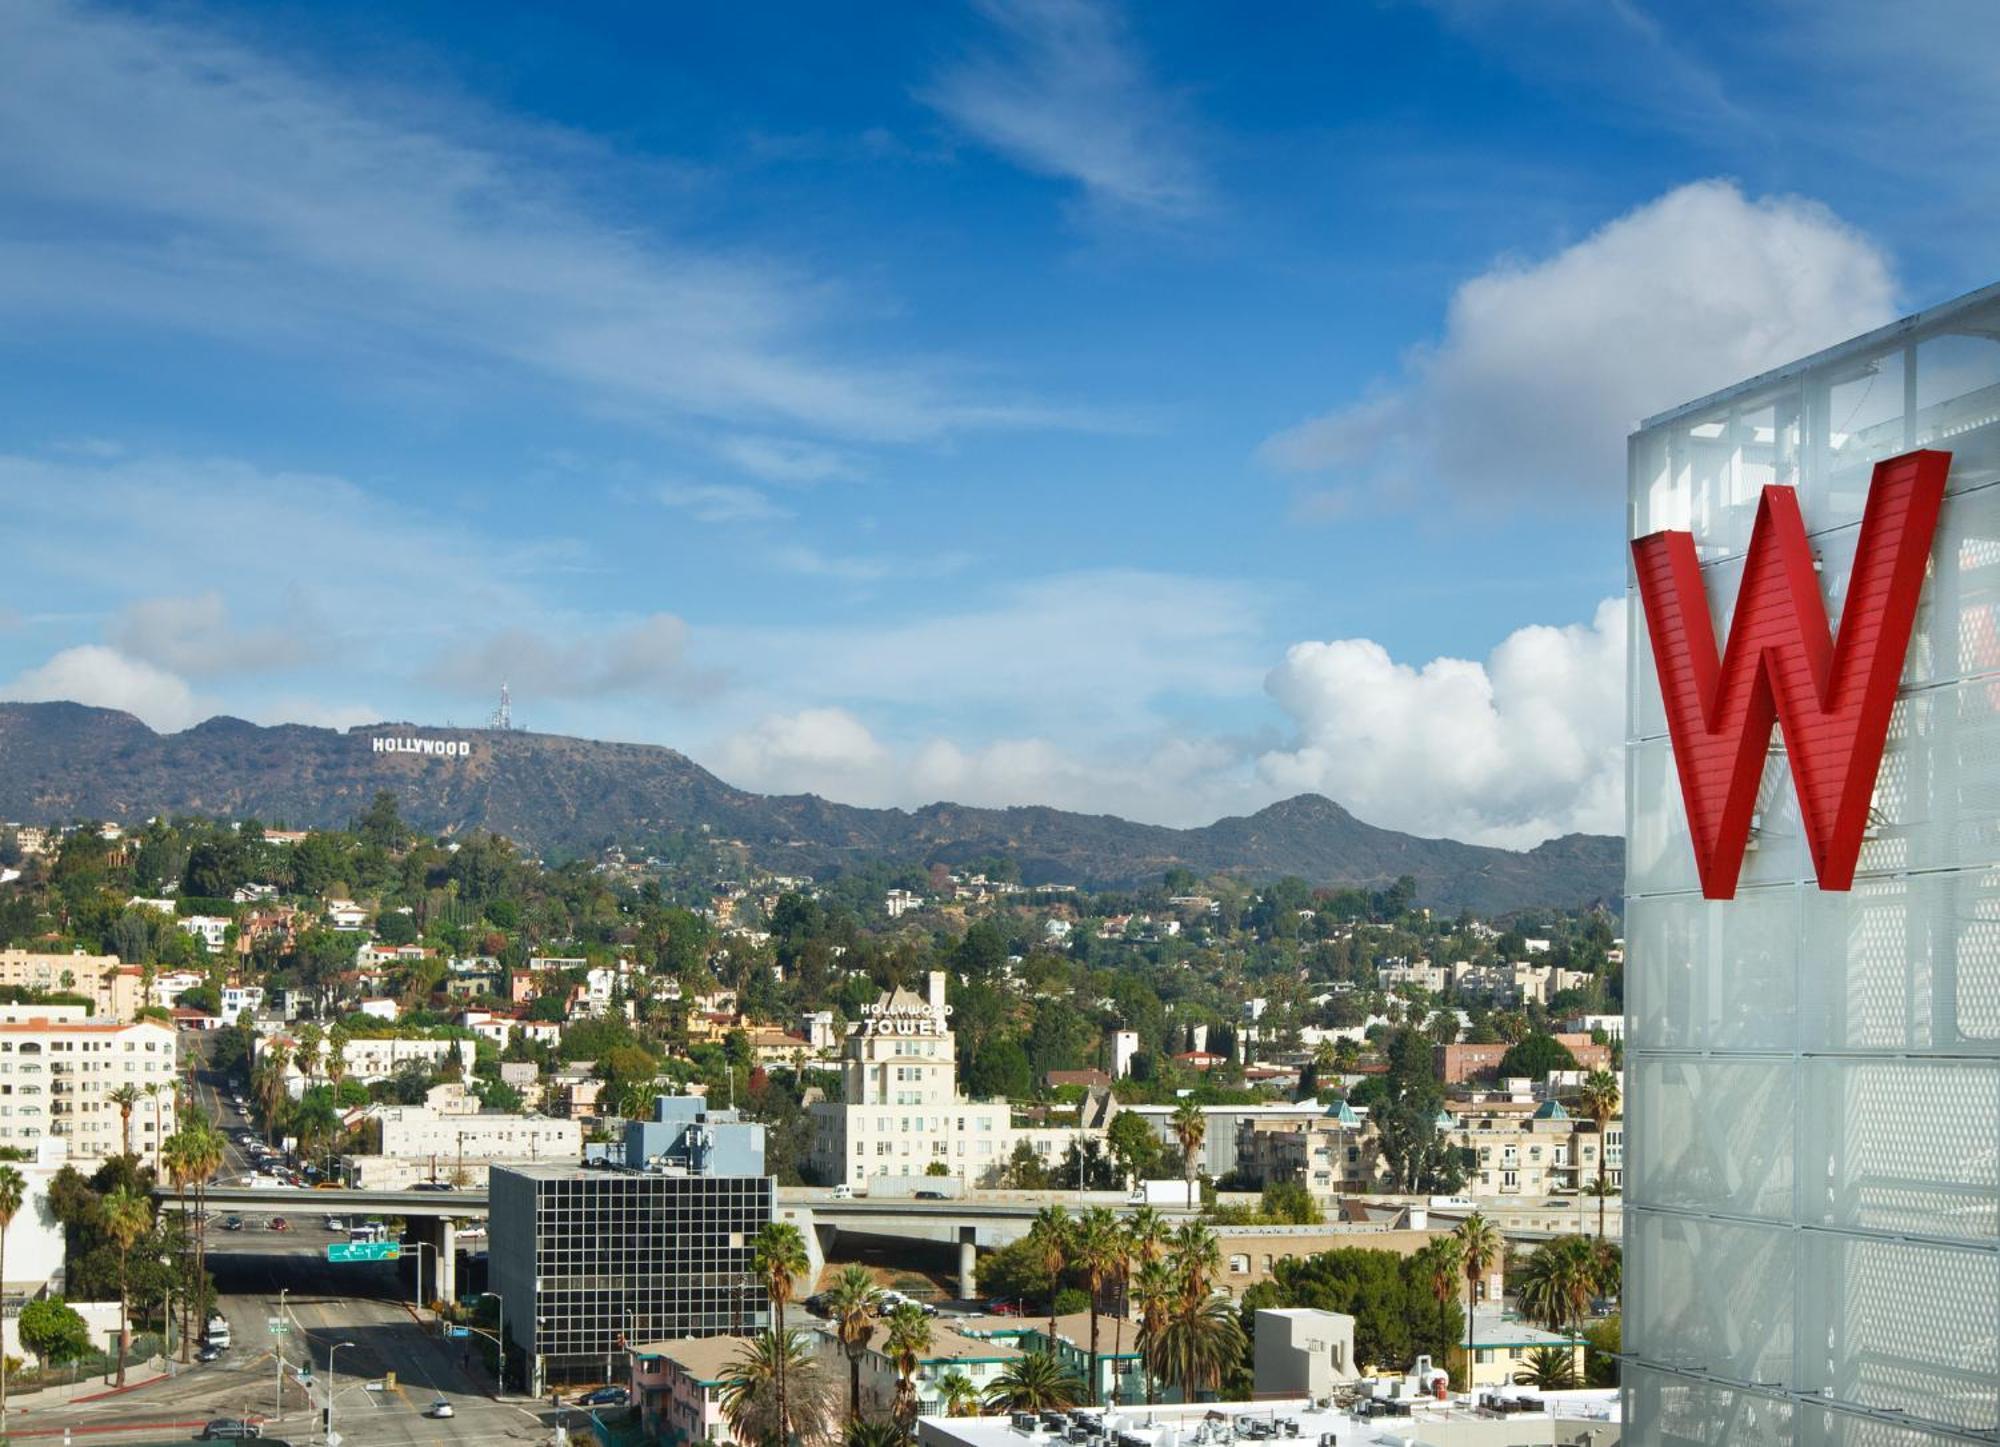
784,459
832,753
710,502
1523,747
1544,367
106,678
194,636
179,177
646,658
1066,95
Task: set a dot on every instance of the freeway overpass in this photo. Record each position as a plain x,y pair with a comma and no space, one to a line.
968,1224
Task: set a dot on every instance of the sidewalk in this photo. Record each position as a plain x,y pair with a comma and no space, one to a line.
85,1389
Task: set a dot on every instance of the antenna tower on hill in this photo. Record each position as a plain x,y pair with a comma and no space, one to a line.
503,716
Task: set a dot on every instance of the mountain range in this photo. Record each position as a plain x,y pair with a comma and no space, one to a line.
561,796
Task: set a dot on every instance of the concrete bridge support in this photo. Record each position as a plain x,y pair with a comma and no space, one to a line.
968,1262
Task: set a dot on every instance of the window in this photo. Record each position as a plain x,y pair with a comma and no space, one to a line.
1238,1265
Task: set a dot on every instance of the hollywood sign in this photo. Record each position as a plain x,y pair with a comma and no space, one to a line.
900,1020
441,748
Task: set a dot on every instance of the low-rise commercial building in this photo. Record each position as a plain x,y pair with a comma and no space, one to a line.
1302,1352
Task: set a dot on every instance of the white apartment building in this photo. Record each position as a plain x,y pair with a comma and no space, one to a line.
369,1060
57,1076
900,1108
420,1131
211,929
238,998
169,985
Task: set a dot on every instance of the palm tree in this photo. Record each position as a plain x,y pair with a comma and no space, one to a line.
1155,1291
1197,1259
909,1339
336,1055
178,1155
125,1097
1145,1241
205,1157
875,1434
1549,1369
780,1259
1558,1282
1036,1382
1050,1236
1437,1263
751,1395
13,1192
1197,1344
1479,1246
855,1305
267,1085
960,1397
127,1216
1100,1251
1598,1099
1190,1127
305,1049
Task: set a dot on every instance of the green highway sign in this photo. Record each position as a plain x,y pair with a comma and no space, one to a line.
364,1251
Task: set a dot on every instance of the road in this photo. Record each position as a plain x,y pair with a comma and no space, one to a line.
211,1093
314,1306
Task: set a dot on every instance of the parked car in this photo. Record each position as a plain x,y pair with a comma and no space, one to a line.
229,1429
210,1352
604,1397
279,1223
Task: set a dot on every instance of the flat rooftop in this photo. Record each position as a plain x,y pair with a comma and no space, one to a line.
1296,1423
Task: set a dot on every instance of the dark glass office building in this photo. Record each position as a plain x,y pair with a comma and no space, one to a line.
585,1260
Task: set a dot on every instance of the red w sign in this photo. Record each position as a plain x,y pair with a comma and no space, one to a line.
1832,697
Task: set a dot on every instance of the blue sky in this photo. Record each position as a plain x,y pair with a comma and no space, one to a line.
1158,410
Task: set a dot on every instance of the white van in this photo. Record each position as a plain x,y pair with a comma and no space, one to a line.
217,1334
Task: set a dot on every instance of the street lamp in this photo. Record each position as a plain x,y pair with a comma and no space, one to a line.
437,1270
330,1382
500,1339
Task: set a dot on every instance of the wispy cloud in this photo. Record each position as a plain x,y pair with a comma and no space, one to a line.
181,178
1063,92
784,459
811,562
715,502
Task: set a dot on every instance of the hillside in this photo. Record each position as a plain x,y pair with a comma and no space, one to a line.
561,796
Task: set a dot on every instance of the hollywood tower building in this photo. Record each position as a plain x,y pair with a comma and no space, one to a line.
1812,1161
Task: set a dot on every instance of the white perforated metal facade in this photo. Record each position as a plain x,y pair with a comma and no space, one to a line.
1813,1079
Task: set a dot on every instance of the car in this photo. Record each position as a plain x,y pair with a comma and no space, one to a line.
931,1196
229,1429
440,1409
1003,1308
328,1186
278,1223
843,1192
603,1397
210,1352
232,1223
432,1186
335,1223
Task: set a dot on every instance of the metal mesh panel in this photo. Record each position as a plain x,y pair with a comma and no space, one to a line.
1813,1079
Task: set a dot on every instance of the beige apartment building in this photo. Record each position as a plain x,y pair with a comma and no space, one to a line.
1521,1148
115,989
1334,1154
57,1079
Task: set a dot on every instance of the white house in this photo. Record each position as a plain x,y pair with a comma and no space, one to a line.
211,929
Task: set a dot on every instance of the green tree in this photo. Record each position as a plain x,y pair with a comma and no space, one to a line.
1535,1056
1291,1202
909,1338
1547,1369
382,825
1480,1248
1051,1239
1000,1069
1133,1145
13,1195
1558,1282
1190,1128
1034,1382
854,1305
1100,1248
777,1394
127,1217
52,1330
780,1259
1599,1100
